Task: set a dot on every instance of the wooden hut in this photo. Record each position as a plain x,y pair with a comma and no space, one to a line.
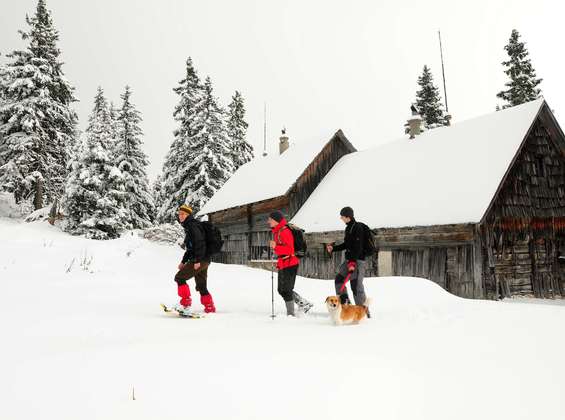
283,181
477,207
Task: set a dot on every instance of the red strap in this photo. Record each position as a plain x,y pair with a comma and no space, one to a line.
342,288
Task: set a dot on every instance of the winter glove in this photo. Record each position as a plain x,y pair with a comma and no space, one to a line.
351,265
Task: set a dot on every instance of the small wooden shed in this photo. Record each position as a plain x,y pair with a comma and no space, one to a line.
283,181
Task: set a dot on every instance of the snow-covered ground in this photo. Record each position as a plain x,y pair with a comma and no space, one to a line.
76,341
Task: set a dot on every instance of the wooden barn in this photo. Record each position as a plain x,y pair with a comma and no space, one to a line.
283,181
477,207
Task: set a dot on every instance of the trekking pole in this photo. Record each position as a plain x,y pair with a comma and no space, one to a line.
272,290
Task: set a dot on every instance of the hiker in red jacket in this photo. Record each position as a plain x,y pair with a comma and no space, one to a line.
287,263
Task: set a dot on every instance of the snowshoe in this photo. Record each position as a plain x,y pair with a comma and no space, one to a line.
182,311
303,304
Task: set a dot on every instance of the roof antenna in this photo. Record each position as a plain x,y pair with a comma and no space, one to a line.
448,117
265,129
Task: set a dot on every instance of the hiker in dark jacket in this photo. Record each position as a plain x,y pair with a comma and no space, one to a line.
287,263
354,264
195,263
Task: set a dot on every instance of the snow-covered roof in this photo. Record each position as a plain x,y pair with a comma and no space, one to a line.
443,176
266,177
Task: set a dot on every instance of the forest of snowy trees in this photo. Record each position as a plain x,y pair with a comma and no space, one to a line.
98,178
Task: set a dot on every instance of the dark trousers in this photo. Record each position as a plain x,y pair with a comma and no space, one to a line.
200,276
355,280
286,280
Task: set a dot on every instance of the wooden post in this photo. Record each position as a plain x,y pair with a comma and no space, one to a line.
479,292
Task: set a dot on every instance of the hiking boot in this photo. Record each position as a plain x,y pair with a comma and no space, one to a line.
208,303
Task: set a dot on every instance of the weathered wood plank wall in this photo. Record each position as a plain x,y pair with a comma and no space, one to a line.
522,230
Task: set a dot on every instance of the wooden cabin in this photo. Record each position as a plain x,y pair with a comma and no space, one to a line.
277,182
477,207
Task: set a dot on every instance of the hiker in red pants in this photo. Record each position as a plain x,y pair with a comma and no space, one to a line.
195,263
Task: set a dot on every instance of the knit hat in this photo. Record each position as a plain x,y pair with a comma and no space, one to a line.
346,212
276,216
186,208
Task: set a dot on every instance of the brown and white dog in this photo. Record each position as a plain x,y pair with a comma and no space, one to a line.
346,314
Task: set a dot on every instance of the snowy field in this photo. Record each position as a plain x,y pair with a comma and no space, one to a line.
76,343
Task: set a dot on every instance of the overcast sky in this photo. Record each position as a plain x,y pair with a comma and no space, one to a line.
319,65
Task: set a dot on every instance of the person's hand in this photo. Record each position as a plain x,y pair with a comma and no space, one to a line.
329,248
272,244
351,265
181,266
197,266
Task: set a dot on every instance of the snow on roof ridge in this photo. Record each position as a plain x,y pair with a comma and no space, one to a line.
427,133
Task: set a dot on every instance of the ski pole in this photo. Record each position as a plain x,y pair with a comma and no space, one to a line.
272,290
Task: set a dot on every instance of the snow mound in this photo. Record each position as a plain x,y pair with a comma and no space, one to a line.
401,292
38,215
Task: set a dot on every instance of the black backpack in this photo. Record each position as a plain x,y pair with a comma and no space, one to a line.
214,241
300,246
369,247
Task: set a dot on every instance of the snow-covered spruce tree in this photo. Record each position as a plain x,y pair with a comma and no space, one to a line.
95,200
429,101
523,84
242,151
177,172
37,123
156,189
132,162
212,160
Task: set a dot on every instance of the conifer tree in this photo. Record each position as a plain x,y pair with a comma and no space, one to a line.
37,124
212,163
523,84
133,163
242,151
429,102
95,201
177,174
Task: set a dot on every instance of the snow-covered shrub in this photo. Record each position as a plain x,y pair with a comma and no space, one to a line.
38,215
165,233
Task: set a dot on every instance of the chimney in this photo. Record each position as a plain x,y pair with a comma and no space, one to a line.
283,142
414,123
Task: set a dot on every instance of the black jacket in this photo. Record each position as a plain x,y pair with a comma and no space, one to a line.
353,242
194,241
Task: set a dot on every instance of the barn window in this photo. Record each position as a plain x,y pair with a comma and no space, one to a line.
385,263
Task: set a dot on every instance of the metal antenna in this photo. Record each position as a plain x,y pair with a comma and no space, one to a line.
443,72
265,130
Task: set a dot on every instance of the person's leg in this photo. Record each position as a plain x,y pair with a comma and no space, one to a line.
339,282
286,280
201,279
183,290
357,283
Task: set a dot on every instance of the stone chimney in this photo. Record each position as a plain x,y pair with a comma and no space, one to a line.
414,123
283,142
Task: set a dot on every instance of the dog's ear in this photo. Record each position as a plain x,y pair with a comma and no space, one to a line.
327,299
